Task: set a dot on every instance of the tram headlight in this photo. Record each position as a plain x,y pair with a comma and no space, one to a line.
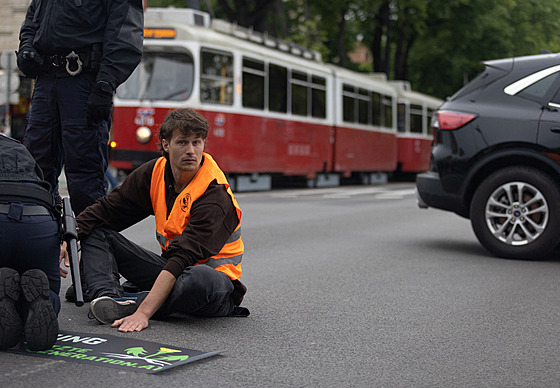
143,134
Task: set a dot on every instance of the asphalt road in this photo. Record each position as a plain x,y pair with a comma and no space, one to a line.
348,287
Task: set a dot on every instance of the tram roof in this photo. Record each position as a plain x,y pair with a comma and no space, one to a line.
194,25
405,91
377,81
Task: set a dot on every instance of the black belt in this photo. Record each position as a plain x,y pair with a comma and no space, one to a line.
73,62
28,210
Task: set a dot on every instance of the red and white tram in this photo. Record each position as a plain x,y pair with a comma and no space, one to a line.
414,132
274,108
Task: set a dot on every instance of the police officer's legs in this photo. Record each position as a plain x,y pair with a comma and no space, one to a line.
32,242
29,263
42,133
85,147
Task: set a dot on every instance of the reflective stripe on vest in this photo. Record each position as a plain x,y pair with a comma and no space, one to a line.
228,260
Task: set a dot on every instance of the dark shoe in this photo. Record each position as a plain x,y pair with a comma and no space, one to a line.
41,325
11,326
71,297
107,310
239,291
240,312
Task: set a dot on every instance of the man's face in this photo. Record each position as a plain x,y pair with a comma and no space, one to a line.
185,152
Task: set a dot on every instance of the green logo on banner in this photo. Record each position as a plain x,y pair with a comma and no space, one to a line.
144,356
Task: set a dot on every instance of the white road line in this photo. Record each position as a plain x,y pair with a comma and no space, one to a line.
395,194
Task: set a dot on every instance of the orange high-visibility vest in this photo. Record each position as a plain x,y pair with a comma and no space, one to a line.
228,260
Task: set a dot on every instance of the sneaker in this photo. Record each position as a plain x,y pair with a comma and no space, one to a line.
107,310
41,325
11,326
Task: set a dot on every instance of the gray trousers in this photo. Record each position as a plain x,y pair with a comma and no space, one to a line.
106,255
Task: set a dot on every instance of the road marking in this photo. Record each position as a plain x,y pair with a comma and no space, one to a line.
345,193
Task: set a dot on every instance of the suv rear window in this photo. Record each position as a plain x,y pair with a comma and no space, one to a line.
539,89
489,75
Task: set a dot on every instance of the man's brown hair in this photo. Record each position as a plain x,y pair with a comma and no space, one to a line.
186,121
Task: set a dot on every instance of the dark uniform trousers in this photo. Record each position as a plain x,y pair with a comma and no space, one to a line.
31,241
57,133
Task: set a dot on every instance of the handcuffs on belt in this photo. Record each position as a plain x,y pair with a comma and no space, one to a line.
73,61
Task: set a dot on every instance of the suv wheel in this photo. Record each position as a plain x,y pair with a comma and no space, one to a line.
515,213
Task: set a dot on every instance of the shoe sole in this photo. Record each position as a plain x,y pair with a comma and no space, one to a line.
107,310
41,325
11,326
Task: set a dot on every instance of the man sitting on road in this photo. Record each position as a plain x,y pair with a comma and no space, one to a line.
197,225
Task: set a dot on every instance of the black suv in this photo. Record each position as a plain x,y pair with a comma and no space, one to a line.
496,156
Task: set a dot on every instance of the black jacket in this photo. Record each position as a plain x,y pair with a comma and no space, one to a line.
60,26
21,179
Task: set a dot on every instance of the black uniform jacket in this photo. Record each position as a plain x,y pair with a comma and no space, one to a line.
60,26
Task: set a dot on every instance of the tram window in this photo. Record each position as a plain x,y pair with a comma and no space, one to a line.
299,76
318,81
363,106
387,121
253,84
160,76
415,118
401,117
348,111
318,103
216,80
318,97
299,93
348,103
277,88
376,108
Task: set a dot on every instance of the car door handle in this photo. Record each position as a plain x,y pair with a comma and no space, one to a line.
555,129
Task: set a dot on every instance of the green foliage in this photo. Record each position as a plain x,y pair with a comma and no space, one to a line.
437,45
463,33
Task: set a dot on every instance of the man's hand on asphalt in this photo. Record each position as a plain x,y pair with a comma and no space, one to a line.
134,322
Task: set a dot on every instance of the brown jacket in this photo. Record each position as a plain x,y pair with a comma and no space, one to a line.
213,217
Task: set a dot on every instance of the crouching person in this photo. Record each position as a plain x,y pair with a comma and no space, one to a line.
30,252
197,225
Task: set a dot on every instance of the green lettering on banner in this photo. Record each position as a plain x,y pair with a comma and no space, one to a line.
154,367
141,356
72,349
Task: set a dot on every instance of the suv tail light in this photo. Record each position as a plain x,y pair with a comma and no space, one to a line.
447,121
444,120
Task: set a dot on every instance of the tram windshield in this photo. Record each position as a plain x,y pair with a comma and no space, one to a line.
160,76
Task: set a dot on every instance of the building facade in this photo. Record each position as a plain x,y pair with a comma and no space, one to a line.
12,13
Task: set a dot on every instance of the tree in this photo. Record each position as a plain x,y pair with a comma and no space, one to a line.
435,44
463,33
